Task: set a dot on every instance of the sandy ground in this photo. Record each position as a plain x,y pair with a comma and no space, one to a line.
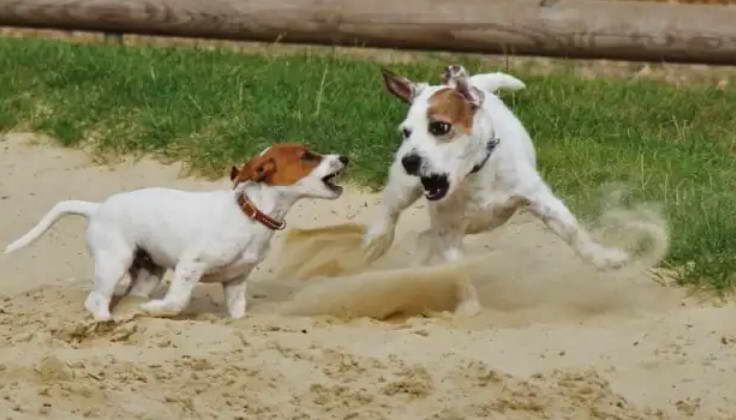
555,339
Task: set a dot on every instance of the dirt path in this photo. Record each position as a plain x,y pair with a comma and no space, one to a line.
555,338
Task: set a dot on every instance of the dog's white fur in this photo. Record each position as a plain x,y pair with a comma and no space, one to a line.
201,235
479,201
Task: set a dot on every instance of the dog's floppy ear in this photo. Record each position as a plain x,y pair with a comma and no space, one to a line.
456,77
399,86
263,170
258,169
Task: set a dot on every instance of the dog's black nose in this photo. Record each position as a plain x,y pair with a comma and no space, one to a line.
344,160
411,164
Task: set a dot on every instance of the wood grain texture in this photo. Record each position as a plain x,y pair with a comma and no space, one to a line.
571,28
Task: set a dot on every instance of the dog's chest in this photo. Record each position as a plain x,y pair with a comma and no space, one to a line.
471,200
239,260
239,266
468,199
253,252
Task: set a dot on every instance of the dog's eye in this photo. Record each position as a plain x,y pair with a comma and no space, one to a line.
309,156
406,133
439,128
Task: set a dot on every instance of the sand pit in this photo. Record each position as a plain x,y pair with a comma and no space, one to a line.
555,338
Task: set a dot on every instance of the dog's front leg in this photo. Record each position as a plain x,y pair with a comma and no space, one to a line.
235,295
468,303
558,217
400,192
186,275
448,226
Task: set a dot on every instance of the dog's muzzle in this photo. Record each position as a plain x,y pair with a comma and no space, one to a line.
436,185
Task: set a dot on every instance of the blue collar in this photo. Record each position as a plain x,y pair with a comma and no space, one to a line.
492,143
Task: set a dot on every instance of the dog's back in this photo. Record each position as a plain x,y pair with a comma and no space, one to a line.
163,220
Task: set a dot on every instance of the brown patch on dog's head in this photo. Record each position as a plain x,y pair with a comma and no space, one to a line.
450,107
280,164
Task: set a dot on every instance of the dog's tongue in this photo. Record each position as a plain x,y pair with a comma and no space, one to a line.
432,195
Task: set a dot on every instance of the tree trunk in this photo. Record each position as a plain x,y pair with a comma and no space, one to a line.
568,28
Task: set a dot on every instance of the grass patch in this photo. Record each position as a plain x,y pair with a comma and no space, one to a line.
210,109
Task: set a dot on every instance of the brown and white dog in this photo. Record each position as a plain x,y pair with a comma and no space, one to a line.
466,152
217,236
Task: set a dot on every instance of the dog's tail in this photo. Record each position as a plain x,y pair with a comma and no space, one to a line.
493,82
82,208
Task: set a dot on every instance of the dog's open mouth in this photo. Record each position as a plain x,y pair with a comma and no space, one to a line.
329,182
435,186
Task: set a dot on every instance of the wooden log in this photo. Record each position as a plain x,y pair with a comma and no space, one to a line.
568,28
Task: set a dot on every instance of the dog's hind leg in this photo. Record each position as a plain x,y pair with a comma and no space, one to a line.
146,281
554,213
186,275
110,266
145,275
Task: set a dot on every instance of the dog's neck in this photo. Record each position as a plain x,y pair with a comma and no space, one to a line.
274,202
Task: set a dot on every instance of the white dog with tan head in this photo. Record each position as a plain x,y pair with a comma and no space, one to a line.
466,152
217,236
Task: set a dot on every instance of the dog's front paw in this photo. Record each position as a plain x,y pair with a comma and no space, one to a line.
160,307
237,313
610,258
99,306
236,308
377,241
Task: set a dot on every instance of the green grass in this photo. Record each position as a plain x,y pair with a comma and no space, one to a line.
674,146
